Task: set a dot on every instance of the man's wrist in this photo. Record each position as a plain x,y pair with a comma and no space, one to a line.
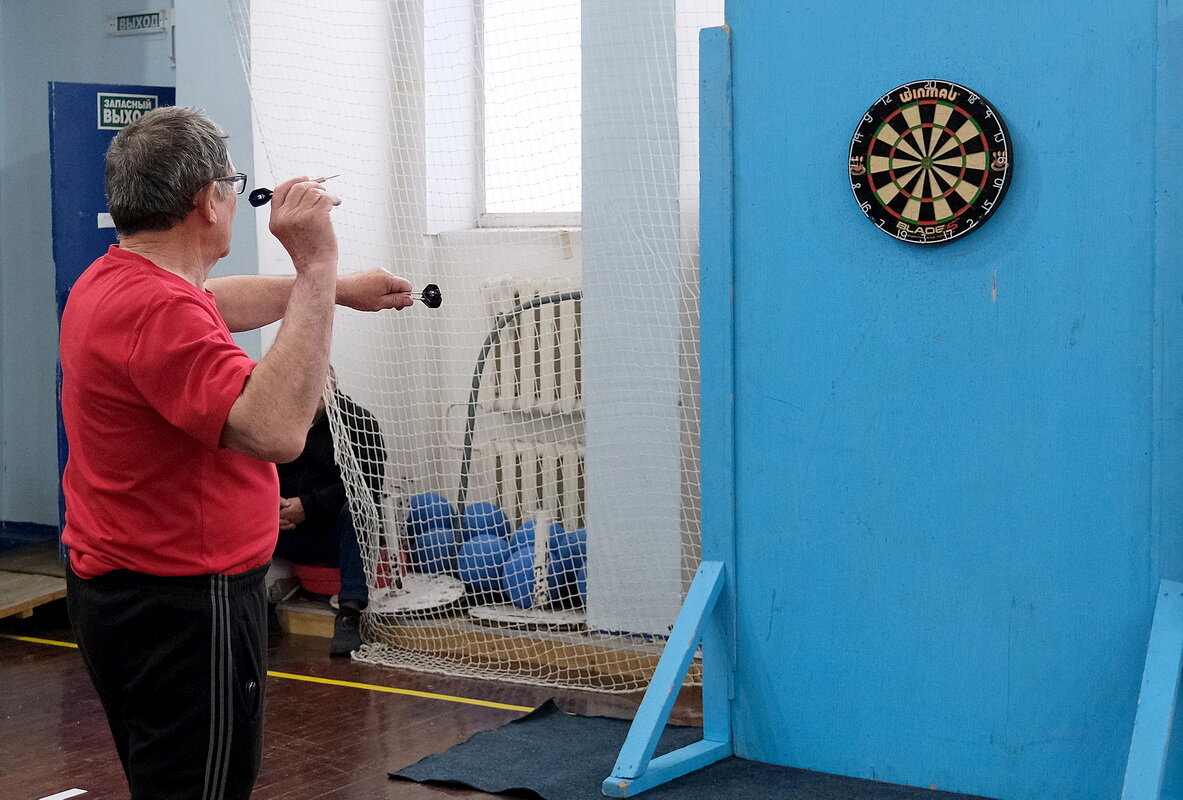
321,274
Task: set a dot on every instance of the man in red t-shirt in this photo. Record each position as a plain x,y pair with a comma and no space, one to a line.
171,491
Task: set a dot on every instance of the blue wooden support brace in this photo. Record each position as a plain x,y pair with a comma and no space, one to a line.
1156,703
636,770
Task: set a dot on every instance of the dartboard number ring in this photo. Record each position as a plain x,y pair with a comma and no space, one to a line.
930,162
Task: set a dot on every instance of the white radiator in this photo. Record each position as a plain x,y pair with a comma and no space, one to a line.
534,461
536,366
529,478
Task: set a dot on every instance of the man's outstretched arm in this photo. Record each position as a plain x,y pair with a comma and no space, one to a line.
247,302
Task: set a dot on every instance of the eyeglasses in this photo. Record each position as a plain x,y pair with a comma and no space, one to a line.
239,179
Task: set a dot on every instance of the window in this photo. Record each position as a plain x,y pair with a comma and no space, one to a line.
531,112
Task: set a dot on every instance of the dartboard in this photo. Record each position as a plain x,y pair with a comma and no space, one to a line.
930,162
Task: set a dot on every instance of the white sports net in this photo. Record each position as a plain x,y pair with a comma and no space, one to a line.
531,512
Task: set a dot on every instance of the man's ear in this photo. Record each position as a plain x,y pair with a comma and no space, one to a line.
205,202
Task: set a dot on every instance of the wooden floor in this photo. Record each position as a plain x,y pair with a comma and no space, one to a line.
323,741
30,575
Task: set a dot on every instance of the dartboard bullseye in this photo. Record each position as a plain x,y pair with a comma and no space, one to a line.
930,162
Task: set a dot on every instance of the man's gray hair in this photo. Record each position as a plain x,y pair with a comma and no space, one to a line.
157,164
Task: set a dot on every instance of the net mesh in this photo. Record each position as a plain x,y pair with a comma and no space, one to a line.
522,462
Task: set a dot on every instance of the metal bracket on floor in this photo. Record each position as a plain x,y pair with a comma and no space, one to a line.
636,770
1151,739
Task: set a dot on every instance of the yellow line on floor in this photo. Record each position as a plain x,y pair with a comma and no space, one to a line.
38,641
310,679
411,692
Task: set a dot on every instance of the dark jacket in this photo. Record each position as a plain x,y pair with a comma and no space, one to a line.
315,476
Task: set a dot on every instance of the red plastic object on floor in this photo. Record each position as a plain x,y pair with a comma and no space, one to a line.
318,580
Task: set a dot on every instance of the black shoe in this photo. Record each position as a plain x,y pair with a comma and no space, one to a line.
346,634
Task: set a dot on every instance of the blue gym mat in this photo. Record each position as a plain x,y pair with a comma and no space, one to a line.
551,755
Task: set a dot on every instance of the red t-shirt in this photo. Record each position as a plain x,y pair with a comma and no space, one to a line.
149,373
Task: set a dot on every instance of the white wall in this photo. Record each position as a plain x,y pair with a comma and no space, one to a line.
641,356
211,75
43,41
632,322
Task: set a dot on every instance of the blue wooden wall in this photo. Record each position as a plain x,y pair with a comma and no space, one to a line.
959,470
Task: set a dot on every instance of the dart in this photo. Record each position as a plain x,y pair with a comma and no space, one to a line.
431,296
260,197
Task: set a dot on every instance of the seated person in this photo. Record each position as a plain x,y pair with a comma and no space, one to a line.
315,519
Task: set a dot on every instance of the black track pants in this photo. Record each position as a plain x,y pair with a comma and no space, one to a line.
179,664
